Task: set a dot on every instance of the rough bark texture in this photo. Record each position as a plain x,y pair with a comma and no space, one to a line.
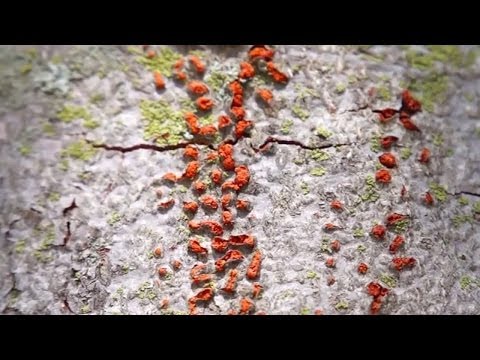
80,171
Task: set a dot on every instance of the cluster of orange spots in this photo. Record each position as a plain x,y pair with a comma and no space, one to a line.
164,303
197,64
362,268
378,292
197,274
151,54
335,245
388,141
204,103
246,306
330,227
266,95
219,244
209,201
225,151
216,176
247,71
224,121
379,231
256,290
177,265
336,205
241,179
227,218
394,218
396,243
191,171
388,160
260,52
195,247
203,295
383,176
410,106
242,240
177,70
330,262
242,127
386,115
162,271
242,204
157,252
225,200
424,156
229,257
167,204
231,283
170,177
197,87
428,198
199,187
254,268
158,79
191,152
276,74
400,263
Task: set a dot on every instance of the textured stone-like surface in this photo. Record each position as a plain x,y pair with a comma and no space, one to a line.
107,266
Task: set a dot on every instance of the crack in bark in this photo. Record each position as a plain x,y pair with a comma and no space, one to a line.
69,208
272,139
465,193
153,147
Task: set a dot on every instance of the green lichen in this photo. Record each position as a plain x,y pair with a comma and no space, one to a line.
440,192
311,275
476,207
187,104
63,165
405,153
449,152
26,68
325,246
459,220
25,150
464,201
72,112
90,124
114,218
375,145
361,248
446,54
85,309
20,246
323,132
48,129
319,155
80,150
304,188
318,171
162,123
430,90
56,59
286,127
438,139
467,282
384,93
206,120
217,80
341,305
146,291
46,244
305,311
400,226
300,113
370,194
358,233
163,61
340,88
388,280
97,98
53,197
